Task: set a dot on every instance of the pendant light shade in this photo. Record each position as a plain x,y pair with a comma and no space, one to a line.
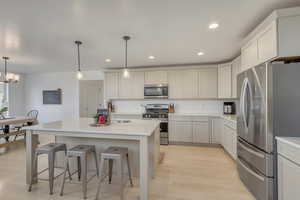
126,73
9,77
79,74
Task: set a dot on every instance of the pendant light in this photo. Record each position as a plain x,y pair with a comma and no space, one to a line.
79,74
9,77
125,70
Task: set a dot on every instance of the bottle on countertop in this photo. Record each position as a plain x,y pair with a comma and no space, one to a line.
171,108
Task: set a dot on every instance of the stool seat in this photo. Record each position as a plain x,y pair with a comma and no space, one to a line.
116,150
51,147
81,149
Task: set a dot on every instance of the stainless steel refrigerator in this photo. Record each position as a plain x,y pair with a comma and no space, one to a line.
269,106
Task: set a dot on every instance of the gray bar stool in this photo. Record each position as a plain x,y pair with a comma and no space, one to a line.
81,152
50,149
117,154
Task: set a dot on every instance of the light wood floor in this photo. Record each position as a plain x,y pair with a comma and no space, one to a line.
186,173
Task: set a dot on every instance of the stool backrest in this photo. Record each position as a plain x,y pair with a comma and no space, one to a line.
33,114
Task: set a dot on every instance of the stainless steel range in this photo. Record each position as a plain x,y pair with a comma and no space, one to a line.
159,112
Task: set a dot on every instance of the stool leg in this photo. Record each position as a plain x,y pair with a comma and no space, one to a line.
51,158
110,168
64,176
84,175
129,170
96,162
79,168
100,177
33,175
68,166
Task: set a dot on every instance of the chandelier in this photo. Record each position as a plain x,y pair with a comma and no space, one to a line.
9,77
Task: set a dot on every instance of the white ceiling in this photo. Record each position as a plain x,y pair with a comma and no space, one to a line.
38,35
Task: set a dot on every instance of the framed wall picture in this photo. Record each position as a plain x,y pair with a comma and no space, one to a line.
52,96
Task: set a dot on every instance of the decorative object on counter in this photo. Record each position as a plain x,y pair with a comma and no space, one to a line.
171,108
9,77
79,74
102,118
126,71
110,107
229,108
52,96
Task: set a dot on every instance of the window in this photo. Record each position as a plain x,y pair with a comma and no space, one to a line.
3,95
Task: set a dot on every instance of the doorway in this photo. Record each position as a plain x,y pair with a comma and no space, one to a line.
90,97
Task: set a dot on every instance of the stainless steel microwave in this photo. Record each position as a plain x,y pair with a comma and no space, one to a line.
159,91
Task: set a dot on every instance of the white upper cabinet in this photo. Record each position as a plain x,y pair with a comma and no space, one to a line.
236,68
267,43
276,38
111,85
156,77
208,83
183,84
249,55
132,87
224,81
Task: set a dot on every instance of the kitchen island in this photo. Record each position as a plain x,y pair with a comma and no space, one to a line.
140,136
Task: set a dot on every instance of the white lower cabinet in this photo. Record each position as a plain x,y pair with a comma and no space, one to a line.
201,132
288,179
229,138
189,129
180,131
216,130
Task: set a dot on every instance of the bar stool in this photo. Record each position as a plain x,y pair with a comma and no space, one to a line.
81,152
50,149
117,154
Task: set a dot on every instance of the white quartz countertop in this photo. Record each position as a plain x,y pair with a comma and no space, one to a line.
232,118
82,125
293,141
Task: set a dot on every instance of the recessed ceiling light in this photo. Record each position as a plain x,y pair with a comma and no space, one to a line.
200,53
151,57
107,60
213,26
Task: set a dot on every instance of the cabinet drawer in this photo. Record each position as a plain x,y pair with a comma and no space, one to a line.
181,118
200,119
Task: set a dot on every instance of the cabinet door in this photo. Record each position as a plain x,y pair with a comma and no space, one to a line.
233,144
132,87
189,84
183,84
236,67
267,43
111,85
250,55
224,81
201,132
156,77
181,131
288,179
216,132
208,83
175,85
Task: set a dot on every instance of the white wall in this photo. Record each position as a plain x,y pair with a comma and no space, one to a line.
181,106
67,81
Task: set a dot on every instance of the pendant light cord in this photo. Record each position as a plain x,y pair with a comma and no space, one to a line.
125,53
5,68
78,53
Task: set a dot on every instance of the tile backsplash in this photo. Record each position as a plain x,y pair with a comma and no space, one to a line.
181,106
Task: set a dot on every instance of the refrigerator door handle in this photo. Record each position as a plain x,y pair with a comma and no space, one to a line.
250,149
242,103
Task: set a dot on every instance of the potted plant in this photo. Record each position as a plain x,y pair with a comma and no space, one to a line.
3,111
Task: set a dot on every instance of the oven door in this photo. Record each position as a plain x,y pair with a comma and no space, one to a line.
156,91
